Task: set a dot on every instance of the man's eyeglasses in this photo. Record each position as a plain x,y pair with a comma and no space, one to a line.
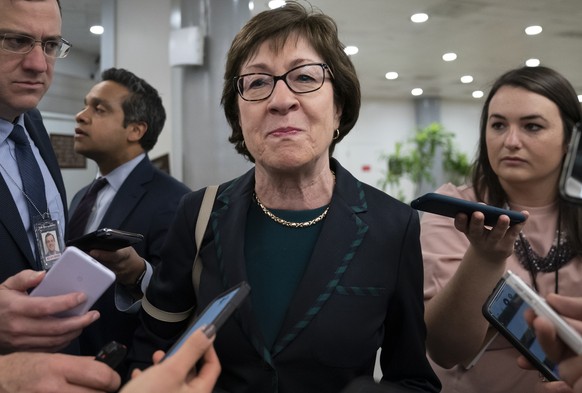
18,43
303,79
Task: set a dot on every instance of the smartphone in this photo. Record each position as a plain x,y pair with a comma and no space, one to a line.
571,176
105,239
449,206
216,313
566,332
112,354
75,271
504,309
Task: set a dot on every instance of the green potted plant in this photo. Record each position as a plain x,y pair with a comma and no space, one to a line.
414,159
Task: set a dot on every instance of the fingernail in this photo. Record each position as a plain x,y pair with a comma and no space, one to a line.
209,330
81,297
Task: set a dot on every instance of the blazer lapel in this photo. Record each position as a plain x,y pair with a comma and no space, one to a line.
10,218
128,195
331,257
229,243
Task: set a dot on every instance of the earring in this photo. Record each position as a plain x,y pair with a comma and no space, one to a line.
243,144
336,134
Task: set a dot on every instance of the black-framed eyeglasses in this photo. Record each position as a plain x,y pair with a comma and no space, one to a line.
18,43
259,86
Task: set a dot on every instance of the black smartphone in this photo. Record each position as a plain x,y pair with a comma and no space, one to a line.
504,310
112,354
449,206
216,313
106,239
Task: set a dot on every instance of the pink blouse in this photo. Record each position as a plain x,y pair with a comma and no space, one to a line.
443,248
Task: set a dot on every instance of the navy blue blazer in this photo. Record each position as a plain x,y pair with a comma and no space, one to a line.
362,290
15,249
146,204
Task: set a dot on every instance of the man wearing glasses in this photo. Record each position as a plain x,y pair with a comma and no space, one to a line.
33,201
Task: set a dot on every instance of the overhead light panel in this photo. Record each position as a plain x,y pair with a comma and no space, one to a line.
450,56
419,18
351,50
276,4
96,29
417,91
477,94
533,30
532,62
391,75
466,79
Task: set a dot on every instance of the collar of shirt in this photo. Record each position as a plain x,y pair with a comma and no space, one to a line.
6,128
115,178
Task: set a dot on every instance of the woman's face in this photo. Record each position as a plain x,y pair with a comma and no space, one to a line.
525,138
288,131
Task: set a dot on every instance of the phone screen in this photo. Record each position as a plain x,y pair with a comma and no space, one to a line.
505,309
216,313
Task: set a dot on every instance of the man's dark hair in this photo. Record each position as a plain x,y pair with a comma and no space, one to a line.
142,105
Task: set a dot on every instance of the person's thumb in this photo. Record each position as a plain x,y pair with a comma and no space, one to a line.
23,280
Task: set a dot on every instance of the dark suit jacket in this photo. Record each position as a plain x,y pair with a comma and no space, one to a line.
361,290
146,204
15,249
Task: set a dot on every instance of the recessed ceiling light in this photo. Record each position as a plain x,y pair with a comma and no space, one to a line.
251,5
533,30
276,4
532,62
96,29
416,92
477,94
391,75
450,56
351,50
466,79
419,18
580,98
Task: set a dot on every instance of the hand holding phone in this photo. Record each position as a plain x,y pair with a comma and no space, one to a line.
216,313
566,332
75,271
505,308
449,206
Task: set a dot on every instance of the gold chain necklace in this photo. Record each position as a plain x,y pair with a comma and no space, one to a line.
291,224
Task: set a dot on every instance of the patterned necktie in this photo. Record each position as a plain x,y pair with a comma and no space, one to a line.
32,180
79,219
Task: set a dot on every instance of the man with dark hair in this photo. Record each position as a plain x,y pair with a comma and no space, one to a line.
121,121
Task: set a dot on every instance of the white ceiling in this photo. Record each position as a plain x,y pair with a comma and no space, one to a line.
487,35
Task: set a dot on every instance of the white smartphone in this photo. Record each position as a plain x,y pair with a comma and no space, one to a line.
566,332
216,313
75,271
